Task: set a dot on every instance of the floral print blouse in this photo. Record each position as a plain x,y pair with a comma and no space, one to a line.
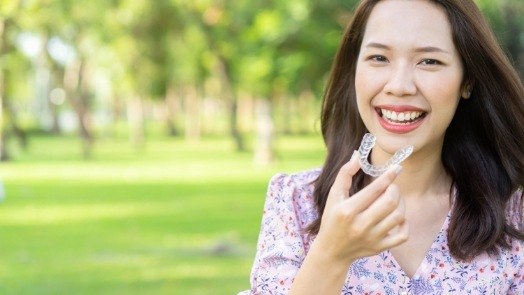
283,245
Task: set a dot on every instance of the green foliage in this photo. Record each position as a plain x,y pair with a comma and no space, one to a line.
261,49
8,8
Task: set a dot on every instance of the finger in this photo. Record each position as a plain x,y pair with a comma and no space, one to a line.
345,175
364,198
385,208
390,224
400,236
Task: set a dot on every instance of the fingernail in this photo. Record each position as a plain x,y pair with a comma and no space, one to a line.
397,169
355,154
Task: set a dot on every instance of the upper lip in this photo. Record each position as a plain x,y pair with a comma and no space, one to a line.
400,108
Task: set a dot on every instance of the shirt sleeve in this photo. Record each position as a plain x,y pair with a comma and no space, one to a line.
280,248
515,214
515,210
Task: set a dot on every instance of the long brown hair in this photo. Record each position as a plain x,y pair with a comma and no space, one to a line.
483,147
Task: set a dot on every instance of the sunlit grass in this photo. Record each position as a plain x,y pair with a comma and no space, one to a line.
174,218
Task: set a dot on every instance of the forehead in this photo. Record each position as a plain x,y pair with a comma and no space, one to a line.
409,22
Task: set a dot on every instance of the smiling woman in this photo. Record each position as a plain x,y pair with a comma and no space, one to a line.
427,74
401,71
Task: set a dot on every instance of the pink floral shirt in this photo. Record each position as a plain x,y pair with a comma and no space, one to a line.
282,247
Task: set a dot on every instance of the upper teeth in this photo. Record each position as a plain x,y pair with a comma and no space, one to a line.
400,116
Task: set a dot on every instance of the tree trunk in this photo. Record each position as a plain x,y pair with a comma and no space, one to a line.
230,96
6,23
192,110
305,114
4,155
79,96
21,135
233,122
55,101
172,107
246,113
264,150
135,120
118,112
45,61
286,105
84,120
227,89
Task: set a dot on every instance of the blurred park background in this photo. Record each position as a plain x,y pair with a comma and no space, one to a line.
137,137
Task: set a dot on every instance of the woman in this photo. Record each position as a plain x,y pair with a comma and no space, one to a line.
423,73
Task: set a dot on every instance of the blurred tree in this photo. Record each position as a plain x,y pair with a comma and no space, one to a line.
513,11
144,37
219,24
183,54
507,21
269,50
8,12
77,28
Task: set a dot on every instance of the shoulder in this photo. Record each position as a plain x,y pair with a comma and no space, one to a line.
294,193
299,186
303,179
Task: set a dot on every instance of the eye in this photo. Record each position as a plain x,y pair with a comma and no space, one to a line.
377,58
430,62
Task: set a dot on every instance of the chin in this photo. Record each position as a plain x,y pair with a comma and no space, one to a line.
392,143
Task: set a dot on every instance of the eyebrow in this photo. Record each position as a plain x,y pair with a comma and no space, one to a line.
419,49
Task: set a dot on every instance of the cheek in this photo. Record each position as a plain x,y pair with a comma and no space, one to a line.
443,98
366,84
360,82
443,90
360,87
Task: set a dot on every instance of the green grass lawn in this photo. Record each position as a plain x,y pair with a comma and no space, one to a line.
176,218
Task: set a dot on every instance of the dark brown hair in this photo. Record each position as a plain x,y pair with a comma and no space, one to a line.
483,148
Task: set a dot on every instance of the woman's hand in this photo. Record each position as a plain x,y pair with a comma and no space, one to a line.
366,223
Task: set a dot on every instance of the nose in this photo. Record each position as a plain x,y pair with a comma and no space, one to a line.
401,81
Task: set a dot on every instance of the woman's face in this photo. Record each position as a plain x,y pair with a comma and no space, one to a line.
408,76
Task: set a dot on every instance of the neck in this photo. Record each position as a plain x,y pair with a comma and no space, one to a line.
419,180
423,176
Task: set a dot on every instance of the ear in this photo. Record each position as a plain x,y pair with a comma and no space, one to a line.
466,91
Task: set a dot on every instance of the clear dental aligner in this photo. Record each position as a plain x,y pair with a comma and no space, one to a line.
368,141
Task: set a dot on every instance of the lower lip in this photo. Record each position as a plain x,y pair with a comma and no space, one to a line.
399,128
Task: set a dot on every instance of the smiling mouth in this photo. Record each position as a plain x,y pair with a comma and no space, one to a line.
401,118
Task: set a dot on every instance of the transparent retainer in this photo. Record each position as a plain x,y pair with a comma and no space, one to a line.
368,141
